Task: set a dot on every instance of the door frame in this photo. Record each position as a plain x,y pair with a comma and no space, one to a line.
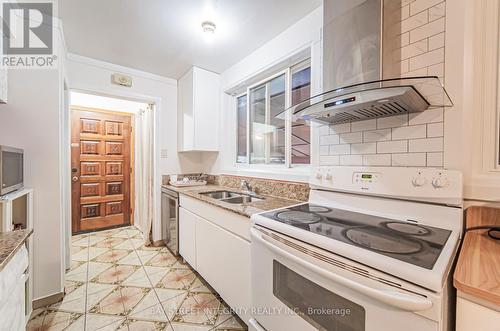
132,153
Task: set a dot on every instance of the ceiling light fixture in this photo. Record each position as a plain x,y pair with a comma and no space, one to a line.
208,30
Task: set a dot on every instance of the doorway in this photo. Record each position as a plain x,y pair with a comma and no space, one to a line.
105,137
101,169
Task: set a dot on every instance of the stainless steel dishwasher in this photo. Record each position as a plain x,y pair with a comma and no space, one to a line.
170,219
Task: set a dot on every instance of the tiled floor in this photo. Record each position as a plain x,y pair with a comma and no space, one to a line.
116,283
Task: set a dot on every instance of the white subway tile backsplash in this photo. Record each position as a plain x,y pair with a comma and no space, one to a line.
435,130
409,160
427,116
329,140
413,22
363,125
364,148
405,12
435,159
340,149
377,160
436,70
437,11
409,132
427,59
392,121
377,135
324,150
426,145
436,41
351,138
420,5
428,30
397,146
405,39
330,160
413,50
340,128
404,66
352,160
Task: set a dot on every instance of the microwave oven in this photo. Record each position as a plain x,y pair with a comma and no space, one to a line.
11,169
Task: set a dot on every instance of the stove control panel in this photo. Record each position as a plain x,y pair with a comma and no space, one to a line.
427,184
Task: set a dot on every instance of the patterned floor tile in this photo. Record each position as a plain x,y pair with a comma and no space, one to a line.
112,256
138,279
95,268
52,320
110,242
121,301
190,327
73,302
96,292
199,308
111,286
149,309
135,325
78,274
162,259
171,300
115,275
180,279
131,259
145,256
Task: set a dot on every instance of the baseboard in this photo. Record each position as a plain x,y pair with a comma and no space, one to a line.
48,300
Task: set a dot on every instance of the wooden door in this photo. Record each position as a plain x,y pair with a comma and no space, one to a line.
100,169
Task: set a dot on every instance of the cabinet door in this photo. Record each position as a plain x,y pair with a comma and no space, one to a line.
223,260
187,236
206,110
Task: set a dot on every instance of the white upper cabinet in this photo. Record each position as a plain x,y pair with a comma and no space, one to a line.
198,111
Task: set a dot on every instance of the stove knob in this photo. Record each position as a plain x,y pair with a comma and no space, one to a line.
440,182
419,181
319,175
328,176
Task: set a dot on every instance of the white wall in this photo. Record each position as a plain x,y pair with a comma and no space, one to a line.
31,121
94,76
303,36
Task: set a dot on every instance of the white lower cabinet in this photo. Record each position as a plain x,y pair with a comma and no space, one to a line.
224,261
221,257
187,236
475,317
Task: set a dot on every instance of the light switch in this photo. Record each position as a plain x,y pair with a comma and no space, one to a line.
163,154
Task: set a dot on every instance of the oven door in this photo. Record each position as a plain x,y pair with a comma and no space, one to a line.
301,288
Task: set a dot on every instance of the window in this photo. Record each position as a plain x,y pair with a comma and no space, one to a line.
242,128
265,139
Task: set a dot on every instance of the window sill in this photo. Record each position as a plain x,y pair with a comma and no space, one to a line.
295,174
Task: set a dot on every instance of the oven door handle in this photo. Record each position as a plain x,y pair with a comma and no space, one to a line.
393,298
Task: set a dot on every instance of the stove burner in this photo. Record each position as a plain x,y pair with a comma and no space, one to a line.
407,228
298,217
381,241
319,209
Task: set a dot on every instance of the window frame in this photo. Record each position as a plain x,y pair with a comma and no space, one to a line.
302,64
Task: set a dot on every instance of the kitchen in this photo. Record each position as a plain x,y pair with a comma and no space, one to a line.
303,165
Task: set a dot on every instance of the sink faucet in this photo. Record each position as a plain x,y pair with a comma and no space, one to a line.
245,186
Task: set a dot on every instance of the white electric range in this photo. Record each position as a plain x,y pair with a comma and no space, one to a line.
372,250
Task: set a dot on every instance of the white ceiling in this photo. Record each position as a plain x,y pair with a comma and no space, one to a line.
164,36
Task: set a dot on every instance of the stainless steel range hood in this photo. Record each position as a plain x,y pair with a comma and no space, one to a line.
362,78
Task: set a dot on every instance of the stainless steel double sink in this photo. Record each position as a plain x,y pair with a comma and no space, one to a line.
232,197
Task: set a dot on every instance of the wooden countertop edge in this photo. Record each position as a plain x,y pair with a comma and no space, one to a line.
15,250
477,273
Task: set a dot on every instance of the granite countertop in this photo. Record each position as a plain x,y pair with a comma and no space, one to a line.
247,209
10,242
477,273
